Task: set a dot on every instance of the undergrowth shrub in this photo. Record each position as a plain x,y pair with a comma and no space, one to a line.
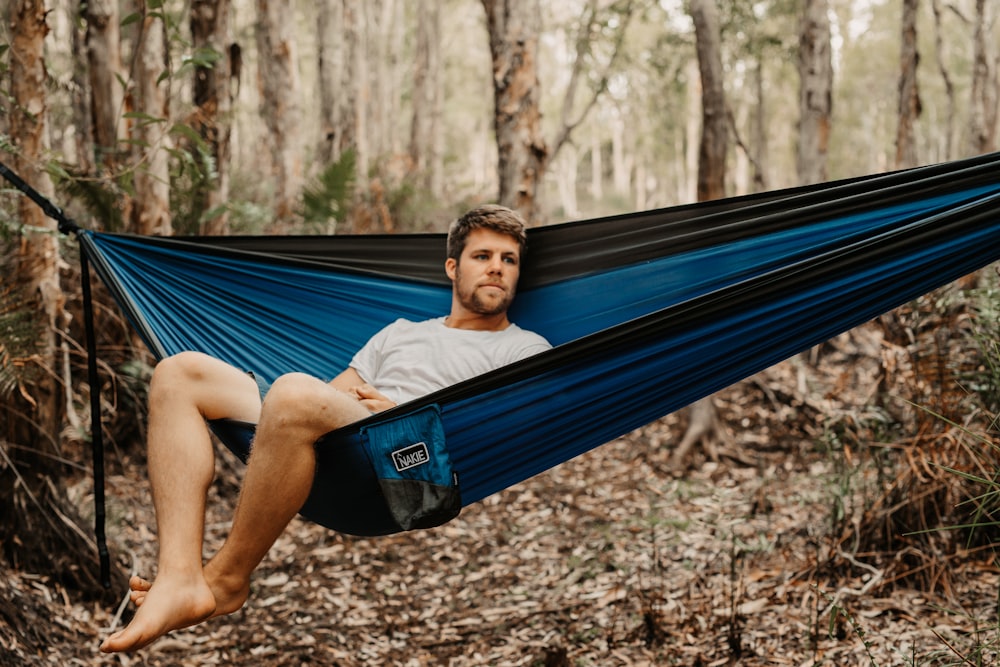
929,498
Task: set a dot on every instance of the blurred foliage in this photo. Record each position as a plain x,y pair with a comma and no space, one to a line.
327,199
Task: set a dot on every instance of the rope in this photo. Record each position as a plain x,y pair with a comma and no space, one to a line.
97,432
66,225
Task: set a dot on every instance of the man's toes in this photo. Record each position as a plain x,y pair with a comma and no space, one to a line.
137,583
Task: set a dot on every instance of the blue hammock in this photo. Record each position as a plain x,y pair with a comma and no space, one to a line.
648,312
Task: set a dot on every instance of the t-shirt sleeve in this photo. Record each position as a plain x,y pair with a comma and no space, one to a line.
368,359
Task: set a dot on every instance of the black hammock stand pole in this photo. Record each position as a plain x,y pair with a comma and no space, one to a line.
68,226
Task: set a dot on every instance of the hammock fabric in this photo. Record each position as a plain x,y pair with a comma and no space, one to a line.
648,312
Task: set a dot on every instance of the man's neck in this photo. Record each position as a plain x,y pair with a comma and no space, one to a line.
477,322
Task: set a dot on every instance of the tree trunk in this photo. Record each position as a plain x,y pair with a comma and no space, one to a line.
704,423
909,92
386,23
759,141
714,121
596,165
425,130
105,67
513,31
356,93
692,131
983,107
151,211
330,63
815,63
39,529
81,95
949,86
280,96
621,175
213,99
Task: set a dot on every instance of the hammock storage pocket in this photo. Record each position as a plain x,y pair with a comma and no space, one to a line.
413,469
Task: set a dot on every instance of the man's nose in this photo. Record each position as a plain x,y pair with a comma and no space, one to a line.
496,265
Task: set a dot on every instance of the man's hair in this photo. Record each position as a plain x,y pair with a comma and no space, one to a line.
496,218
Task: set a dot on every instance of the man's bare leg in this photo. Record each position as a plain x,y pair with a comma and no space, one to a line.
186,390
299,409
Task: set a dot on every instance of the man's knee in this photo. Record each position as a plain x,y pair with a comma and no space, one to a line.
292,394
305,401
183,368
201,379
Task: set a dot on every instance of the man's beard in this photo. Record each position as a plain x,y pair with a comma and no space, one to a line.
473,303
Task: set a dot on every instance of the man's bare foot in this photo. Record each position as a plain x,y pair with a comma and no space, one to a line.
229,595
165,606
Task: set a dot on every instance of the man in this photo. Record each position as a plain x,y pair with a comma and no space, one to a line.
405,360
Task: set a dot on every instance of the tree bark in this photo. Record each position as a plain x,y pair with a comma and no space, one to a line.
949,86
704,425
909,91
759,141
356,94
39,528
513,32
280,94
386,23
103,43
714,120
983,107
330,52
151,211
213,102
815,64
425,130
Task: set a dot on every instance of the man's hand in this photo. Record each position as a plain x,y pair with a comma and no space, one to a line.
370,397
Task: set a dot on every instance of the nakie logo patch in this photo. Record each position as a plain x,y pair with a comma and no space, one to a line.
410,456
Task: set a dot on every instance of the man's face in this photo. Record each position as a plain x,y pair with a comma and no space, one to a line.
485,277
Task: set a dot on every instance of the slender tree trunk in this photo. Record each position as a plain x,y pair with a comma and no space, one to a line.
513,32
759,141
386,22
703,426
425,130
356,93
714,121
596,165
983,107
909,92
151,212
815,62
105,68
621,175
81,94
38,526
212,97
949,86
280,97
692,131
330,57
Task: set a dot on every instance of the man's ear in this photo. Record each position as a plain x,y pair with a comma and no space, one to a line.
450,265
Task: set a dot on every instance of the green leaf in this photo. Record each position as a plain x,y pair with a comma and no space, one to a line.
143,116
131,18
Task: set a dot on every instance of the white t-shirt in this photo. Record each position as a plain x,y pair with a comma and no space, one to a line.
406,360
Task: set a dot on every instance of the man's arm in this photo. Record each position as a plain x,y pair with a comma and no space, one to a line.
350,382
347,381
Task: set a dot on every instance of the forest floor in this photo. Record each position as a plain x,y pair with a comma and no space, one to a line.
615,558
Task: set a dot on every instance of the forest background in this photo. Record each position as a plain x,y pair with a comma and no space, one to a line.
343,116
